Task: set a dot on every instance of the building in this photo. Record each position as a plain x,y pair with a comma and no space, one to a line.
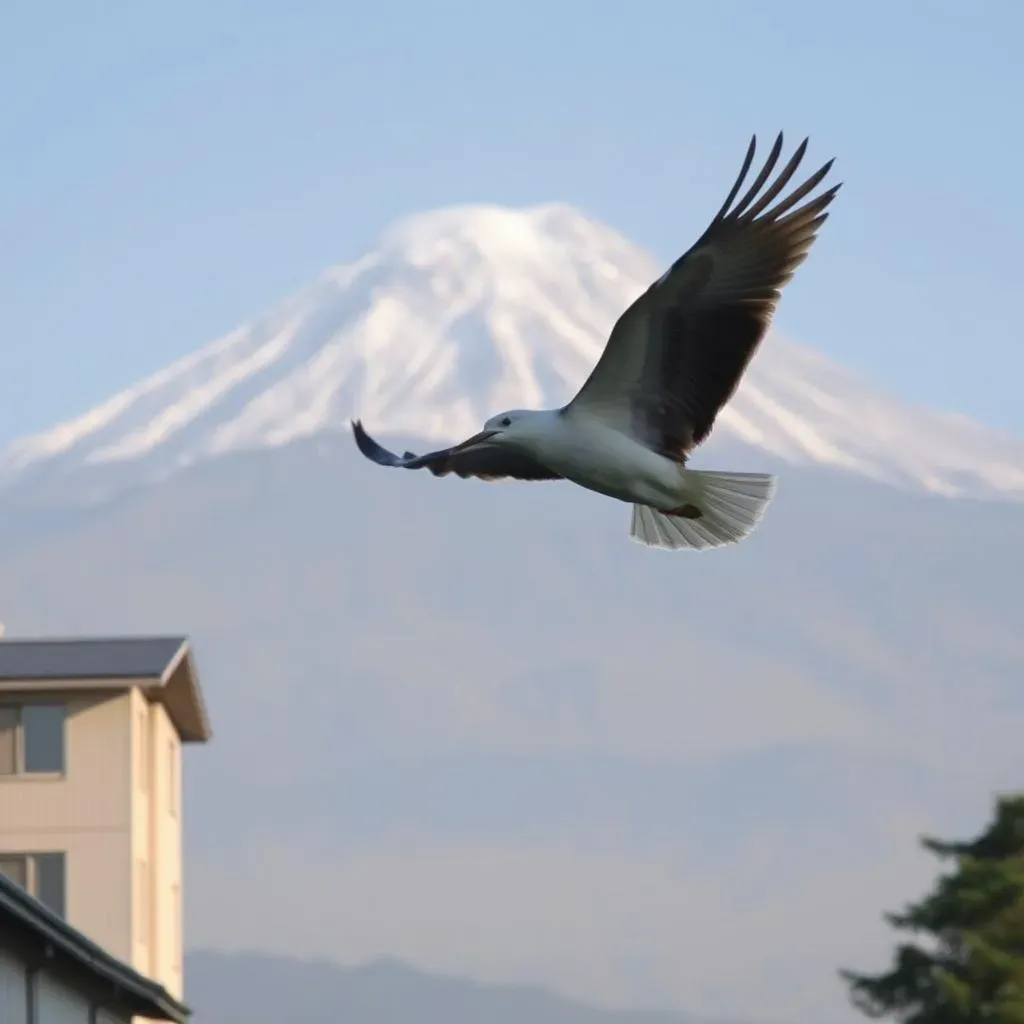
91,733
50,973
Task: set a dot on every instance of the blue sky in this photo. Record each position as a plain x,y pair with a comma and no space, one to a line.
169,170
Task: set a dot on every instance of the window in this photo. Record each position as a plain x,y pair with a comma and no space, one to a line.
15,867
32,739
41,874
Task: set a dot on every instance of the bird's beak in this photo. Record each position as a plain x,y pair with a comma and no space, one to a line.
475,439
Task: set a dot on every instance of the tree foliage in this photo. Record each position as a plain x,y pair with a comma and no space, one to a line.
965,963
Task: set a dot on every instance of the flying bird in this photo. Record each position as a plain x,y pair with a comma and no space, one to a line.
673,359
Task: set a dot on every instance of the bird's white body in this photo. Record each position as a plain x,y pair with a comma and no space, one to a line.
589,452
673,507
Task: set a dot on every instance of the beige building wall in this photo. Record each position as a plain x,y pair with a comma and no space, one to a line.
86,813
116,815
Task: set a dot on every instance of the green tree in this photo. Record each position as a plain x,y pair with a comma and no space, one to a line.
966,963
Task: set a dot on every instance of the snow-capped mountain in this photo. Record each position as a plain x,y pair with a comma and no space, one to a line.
459,313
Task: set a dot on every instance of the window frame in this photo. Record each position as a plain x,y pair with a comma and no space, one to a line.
30,861
21,773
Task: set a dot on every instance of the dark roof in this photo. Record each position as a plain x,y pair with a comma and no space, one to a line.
39,929
162,665
115,658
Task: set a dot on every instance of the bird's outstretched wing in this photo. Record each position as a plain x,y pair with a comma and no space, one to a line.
469,459
676,356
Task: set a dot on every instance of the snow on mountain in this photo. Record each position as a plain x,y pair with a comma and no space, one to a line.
466,311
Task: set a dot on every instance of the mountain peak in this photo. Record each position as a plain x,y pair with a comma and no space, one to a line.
532,236
459,312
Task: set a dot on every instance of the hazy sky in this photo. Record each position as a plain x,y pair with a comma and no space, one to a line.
169,170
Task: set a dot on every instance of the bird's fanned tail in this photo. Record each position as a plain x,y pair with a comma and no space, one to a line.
731,506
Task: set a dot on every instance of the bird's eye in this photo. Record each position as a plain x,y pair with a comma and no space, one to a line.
506,421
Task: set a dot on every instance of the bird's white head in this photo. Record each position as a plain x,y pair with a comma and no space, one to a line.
517,427
524,429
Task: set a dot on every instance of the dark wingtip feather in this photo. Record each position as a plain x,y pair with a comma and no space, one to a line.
741,177
755,202
373,451
762,177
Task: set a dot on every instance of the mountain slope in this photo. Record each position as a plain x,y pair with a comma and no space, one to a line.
457,314
249,988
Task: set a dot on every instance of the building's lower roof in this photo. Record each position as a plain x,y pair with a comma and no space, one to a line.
43,932
162,665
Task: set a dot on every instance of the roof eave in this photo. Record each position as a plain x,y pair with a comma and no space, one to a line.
183,697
